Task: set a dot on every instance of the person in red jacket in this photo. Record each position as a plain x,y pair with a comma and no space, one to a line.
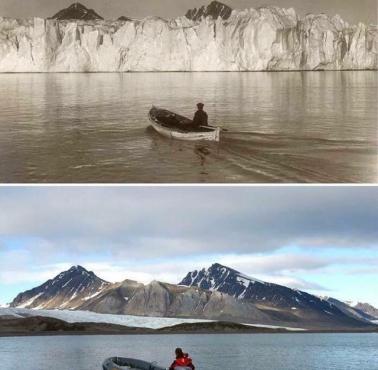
182,360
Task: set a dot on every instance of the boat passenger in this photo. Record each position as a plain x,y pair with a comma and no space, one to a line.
182,360
200,117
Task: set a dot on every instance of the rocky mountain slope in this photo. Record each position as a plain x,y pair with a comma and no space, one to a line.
219,293
368,309
353,311
80,289
268,38
66,290
77,11
273,298
159,299
214,10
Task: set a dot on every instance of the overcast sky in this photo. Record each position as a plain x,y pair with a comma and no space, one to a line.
320,239
351,10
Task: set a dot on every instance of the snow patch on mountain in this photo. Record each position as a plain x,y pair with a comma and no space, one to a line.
30,301
221,278
91,296
214,278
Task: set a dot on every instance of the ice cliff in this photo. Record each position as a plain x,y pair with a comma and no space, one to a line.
249,40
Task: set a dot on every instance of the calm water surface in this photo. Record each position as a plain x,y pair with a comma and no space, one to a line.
282,127
210,352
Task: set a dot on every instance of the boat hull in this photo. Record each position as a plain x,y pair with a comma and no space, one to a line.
208,133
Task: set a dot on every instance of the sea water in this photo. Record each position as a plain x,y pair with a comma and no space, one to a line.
281,127
209,352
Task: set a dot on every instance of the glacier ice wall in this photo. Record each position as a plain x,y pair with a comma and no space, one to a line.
250,40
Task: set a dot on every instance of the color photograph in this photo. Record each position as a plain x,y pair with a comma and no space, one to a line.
121,277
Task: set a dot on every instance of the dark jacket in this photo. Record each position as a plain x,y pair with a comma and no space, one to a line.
185,361
200,118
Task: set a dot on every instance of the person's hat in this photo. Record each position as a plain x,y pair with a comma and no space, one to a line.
200,105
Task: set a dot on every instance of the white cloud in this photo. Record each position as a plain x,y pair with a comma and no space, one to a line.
140,222
163,232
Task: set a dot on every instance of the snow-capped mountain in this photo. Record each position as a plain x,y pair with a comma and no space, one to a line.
229,281
67,290
78,289
367,308
219,293
214,10
350,310
77,11
268,38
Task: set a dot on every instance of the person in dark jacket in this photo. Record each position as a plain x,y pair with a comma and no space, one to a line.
182,360
200,117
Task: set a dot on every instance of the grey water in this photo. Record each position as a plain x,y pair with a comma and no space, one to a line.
209,352
318,127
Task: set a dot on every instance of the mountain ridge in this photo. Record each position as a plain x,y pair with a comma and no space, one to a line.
64,289
79,289
232,282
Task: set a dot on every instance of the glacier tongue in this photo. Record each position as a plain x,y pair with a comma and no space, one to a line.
249,40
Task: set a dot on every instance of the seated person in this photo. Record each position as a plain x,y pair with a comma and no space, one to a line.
182,360
200,117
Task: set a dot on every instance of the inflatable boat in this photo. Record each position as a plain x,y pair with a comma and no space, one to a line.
123,363
172,125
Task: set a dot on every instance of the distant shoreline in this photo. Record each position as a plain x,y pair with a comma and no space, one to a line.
65,333
42,326
210,71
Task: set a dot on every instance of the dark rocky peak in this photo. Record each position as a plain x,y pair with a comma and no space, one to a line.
124,19
219,277
77,269
77,11
215,9
76,281
231,282
75,274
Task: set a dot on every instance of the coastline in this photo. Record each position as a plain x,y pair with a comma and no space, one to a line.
40,326
204,71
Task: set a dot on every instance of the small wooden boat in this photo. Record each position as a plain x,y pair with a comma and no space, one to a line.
172,125
123,363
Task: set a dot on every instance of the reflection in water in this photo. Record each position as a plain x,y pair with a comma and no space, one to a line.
281,127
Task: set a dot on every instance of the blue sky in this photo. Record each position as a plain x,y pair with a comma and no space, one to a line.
323,240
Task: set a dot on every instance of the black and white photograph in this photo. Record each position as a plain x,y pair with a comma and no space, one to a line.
173,91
